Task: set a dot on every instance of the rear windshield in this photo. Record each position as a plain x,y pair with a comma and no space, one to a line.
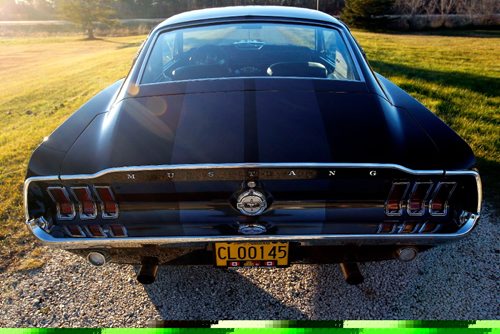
249,50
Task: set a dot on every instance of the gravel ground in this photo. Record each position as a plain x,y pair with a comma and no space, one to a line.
454,281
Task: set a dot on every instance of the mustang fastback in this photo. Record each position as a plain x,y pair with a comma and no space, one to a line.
251,137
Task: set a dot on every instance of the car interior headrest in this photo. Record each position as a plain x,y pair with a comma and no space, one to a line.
298,69
199,72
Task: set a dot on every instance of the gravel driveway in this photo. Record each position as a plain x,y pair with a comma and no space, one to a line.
454,281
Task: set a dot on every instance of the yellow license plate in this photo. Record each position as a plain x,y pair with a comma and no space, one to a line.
235,254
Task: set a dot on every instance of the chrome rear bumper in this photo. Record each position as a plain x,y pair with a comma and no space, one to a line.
36,227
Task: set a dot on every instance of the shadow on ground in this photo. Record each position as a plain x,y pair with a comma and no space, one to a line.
208,293
470,81
475,33
121,45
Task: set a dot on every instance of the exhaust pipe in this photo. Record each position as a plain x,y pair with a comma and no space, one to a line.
406,254
148,271
97,259
351,273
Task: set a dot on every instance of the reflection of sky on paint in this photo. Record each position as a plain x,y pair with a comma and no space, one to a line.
395,125
105,135
146,115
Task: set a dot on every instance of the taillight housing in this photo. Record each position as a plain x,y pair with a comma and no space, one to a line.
86,203
438,205
409,227
394,203
95,231
418,196
64,205
117,230
429,227
75,231
86,200
109,206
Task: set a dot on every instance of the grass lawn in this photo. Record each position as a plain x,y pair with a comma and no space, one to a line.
46,79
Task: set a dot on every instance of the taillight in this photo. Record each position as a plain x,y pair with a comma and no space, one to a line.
386,228
393,205
408,228
88,208
429,227
64,205
117,230
438,205
109,206
95,231
75,231
416,202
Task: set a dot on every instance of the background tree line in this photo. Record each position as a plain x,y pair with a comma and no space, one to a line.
128,9
357,13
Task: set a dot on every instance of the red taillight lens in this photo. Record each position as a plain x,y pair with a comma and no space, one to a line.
408,228
438,206
65,208
95,231
393,205
74,231
117,230
429,227
386,228
108,203
419,193
88,208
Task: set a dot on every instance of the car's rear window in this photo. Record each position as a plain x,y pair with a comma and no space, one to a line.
249,50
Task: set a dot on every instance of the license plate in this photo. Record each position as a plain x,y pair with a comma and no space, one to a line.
235,254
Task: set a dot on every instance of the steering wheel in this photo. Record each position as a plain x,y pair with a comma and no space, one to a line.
208,54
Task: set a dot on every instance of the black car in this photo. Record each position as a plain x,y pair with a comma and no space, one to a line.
251,136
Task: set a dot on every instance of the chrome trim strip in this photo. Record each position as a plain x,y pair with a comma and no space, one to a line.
27,183
83,243
249,165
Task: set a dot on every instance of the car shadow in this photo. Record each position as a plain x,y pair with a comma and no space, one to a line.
440,283
477,83
474,33
120,45
378,297
209,293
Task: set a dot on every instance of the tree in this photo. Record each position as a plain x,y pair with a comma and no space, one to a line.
366,13
86,13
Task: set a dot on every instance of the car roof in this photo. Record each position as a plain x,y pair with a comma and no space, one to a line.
248,11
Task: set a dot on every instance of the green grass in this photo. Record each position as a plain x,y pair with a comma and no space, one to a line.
457,76
46,79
